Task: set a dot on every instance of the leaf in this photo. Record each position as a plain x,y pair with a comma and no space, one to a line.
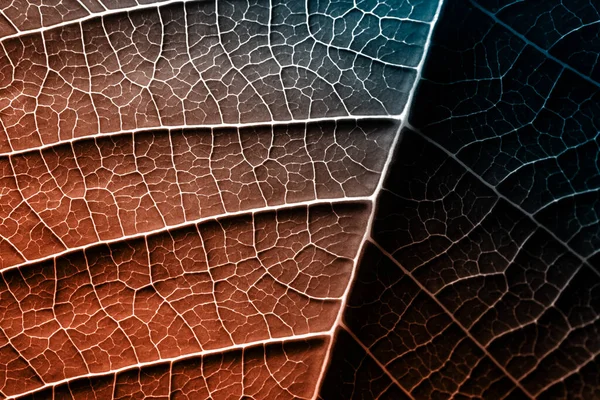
481,275
253,199
186,187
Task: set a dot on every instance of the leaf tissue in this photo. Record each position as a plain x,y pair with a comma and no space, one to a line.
319,199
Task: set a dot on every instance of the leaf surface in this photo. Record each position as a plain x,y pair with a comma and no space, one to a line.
481,278
275,199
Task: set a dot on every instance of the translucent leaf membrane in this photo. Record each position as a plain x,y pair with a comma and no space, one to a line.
480,279
197,63
254,199
103,189
265,372
227,282
525,122
567,30
396,342
462,290
26,15
186,187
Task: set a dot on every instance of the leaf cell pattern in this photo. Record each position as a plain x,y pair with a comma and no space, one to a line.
321,199
480,278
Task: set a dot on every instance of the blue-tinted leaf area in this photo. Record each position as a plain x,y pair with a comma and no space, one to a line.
481,277
527,124
389,32
568,29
